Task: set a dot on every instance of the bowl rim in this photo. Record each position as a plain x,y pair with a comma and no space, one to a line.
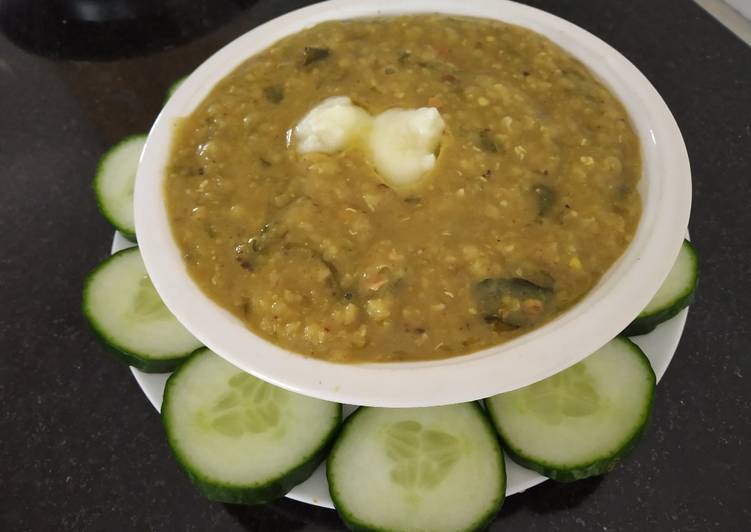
620,295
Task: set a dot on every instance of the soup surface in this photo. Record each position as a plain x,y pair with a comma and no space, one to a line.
532,197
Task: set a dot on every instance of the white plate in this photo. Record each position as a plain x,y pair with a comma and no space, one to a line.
620,295
659,346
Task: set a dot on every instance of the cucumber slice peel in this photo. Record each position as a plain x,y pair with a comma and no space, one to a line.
239,439
580,422
437,468
114,183
173,87
127,315
675,294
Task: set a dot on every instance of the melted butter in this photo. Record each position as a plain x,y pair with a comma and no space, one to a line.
401,143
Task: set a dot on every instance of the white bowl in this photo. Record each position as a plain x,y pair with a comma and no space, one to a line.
621,294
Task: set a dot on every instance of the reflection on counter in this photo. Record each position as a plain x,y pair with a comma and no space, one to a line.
110,29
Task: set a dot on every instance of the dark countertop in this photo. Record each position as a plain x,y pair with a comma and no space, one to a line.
82,449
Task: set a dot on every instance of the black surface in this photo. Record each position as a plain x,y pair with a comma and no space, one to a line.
95,29
81,448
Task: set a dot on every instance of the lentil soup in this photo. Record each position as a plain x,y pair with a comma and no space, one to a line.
532,197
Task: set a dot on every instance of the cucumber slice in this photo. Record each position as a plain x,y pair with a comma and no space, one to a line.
438,468
675,294
580,422
114,182
240,439
172,88
126,312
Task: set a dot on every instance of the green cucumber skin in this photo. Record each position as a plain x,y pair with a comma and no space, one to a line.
596,467
126,232
357,526
218,492
649,322
140,361
173,87
129,237
350,521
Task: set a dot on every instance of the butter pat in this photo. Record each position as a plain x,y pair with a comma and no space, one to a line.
331,125
403,143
